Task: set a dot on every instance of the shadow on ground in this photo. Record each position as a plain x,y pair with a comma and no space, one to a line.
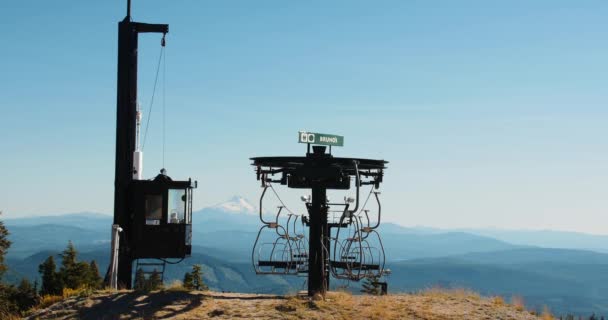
134,305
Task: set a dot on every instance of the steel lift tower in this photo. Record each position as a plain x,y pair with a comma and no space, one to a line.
154,216
354,253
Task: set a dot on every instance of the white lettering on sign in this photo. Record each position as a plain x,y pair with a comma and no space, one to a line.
328,139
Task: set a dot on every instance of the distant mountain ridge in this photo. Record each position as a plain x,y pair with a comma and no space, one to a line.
568,280
75,219
547,238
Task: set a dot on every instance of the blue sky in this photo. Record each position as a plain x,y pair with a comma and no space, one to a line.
491,113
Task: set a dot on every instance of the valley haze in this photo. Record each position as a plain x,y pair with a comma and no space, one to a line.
555,271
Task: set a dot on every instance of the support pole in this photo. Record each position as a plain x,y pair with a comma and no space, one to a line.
114,256
318,277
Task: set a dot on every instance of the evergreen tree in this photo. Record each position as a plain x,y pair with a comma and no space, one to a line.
73,273
13,299
154,282
371,286
83,275
51,280
70,270
94,279
8,307
188,284
4,245
197,278
140,280
25,296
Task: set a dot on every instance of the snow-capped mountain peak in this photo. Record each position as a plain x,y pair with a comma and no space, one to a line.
237,204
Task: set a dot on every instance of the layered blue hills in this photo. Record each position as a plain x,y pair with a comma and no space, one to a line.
568,279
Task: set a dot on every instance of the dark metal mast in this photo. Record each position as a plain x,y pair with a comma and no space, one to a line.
126,113
318,271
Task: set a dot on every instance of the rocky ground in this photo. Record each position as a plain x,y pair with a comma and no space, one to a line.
178,304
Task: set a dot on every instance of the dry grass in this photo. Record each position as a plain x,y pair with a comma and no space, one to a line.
47,300
176,286
518,303
456,292
432,304
81,292
498,301
546,315
9,316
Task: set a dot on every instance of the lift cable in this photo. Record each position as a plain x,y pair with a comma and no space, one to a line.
281,201
160,58
164,89
366,200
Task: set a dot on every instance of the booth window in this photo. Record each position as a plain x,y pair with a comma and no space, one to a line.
154,209
177,206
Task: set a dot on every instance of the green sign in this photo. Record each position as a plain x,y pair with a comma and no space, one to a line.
320,138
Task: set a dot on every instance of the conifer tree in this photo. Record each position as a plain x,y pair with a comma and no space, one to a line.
73,273
69,270
154,282
140,280
7,305
4,245
94,279
188,284
13,299
25,296
197,278
83,275
51,280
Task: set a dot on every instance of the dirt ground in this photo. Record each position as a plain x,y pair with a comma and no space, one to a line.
169,304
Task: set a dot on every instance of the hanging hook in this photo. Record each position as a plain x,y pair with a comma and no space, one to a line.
162,41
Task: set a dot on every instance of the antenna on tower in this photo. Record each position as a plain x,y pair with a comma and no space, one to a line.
128,8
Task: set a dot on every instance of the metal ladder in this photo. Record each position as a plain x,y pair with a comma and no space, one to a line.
148,268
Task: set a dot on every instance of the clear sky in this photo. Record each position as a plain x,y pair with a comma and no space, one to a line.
491,113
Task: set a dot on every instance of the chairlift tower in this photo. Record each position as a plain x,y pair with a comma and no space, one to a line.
352,257
154,216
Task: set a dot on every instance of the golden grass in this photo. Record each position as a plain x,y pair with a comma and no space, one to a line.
83,291
453,304
546,315
518,303
455,293
47,300
498,301
380,308
9,316
176,286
